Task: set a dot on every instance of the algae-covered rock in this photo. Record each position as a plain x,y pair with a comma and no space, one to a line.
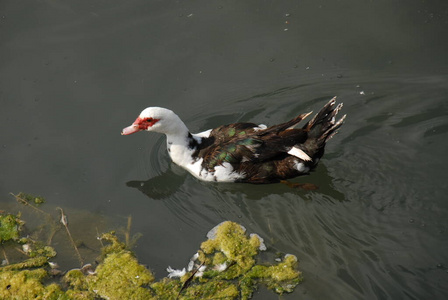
10,226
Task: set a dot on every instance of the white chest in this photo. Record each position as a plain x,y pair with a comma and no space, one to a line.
180,154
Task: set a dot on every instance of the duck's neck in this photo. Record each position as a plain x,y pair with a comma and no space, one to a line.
181,145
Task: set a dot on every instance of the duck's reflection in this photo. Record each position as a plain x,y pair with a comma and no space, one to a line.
161,186
172,180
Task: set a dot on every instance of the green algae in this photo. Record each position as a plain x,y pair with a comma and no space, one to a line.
282,278
215,289
231,241
120,276
225,268
229,244
166,288
27,284
115,246
36,248
76,279
10,226
31,198
25,281
34,262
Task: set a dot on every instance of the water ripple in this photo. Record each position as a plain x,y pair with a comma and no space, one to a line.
354,233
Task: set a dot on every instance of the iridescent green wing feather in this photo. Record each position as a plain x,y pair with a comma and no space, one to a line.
233,152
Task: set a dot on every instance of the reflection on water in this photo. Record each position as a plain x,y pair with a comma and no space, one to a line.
156,188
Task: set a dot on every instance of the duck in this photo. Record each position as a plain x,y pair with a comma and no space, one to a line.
244,152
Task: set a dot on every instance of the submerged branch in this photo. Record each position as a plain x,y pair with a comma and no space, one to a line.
188,281
64,222
127,233
5,256
23,201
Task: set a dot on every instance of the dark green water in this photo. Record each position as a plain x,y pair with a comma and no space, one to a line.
73,74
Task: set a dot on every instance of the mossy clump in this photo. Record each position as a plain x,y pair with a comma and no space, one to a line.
10,226
19,283
281,277
169,288
34,262
213,289
230,254
78,287
76,279
229,238
36,248
114,246
31,198
118,276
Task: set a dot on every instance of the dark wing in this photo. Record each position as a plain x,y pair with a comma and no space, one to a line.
226,133
228,143
279,139
276,144
240,142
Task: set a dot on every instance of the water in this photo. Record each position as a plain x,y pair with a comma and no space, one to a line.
74,74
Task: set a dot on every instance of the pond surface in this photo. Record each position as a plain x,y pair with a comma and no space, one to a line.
72,75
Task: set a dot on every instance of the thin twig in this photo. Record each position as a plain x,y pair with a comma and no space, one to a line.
51,235
64,222
26,203
98,237
4,255
270,231
127,233
21,251
187,282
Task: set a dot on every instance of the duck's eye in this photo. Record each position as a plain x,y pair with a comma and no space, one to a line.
149,120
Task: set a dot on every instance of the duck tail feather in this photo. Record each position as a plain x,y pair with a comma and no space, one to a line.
287,125
323,125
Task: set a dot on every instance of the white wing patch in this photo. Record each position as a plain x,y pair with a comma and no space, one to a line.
199,136
225,173
260,127
222,173
299,154
301,167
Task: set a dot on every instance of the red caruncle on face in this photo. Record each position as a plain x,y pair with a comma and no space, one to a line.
145,123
